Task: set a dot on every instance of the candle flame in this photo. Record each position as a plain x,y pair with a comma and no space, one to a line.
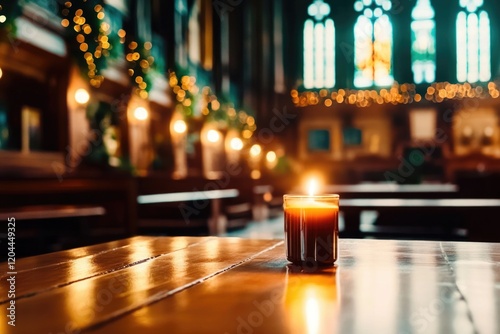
312,187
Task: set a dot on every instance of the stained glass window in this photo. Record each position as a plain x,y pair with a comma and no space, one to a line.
423,42
319,47
473,42
373,44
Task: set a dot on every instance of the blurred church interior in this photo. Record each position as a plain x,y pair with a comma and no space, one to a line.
194,117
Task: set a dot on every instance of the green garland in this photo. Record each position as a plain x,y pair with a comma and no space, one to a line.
88,31
140,67
9,11
194,103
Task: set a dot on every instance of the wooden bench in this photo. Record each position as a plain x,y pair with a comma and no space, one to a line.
51,227
38,212
476,213
217,223
115,193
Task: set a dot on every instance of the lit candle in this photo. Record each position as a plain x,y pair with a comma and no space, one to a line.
311,227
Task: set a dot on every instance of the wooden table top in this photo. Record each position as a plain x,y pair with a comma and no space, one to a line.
230,285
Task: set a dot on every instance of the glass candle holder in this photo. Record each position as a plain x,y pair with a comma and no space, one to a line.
311,228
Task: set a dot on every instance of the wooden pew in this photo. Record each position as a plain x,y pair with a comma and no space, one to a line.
189,204
46,228
170,201
478,216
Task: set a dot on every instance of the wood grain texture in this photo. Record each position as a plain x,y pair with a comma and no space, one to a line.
229,285
84,263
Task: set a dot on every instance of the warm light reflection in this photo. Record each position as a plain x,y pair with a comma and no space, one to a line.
271,159
213,250
82,96
139,279
82,267
236,144
141,114
312,312
1,73
81,300
479,285
255,174
139,276
271,156
312,302
377,269
255,150
180,263
180,126
213,136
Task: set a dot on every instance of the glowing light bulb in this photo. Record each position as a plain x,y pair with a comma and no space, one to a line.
82,96
255,150
255,174
213,136
271,156
141,114
236,144
180,126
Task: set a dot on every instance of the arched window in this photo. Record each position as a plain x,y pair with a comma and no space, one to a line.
473,42
319,47
373,44
423,42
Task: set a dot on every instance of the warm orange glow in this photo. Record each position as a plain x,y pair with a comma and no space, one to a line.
82,96
213,136
255,174
180,126
141,114
312,307
271,156
236,144
311,310
255,150
215,105
247,134
312,187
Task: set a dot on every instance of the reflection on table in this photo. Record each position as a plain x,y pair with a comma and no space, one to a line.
230,285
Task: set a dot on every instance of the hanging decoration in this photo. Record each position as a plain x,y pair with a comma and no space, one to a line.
397,94
9,11
196,103
90,35
439,92
140,67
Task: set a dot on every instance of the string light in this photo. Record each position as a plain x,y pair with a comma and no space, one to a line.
83,27
140,62
397,94
188,95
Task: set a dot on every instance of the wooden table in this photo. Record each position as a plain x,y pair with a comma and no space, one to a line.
230,285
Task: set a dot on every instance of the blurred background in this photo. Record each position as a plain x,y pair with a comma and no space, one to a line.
219,107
